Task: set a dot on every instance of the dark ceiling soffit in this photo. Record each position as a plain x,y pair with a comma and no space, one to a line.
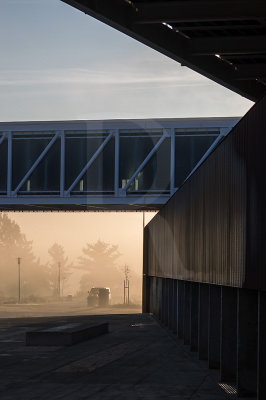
120,14
251,71
218,26
190,11
228,45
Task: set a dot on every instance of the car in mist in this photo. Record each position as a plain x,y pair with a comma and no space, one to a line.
99,297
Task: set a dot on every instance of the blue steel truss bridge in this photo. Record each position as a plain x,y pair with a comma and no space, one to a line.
102,165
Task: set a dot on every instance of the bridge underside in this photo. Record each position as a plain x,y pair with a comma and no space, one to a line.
99,204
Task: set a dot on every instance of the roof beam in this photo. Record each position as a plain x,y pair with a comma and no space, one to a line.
221,27
205,10
120,14
251,71
228,45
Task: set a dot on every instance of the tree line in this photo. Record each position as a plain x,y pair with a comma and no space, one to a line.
98,264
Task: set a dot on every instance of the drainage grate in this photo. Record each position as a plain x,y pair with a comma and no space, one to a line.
229,389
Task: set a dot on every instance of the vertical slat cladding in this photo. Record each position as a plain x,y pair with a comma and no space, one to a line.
256,199
212,230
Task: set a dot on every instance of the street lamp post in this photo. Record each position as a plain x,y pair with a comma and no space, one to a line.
19,259
59,279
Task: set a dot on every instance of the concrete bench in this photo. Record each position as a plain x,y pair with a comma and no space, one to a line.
65,335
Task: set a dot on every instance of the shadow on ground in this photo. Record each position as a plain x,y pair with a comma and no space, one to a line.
137,359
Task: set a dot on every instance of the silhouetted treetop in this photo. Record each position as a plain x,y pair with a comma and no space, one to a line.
10,233
99,261
13,244
98,254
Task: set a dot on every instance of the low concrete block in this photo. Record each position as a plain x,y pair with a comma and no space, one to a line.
65,335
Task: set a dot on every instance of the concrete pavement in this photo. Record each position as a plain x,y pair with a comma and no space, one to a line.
138,359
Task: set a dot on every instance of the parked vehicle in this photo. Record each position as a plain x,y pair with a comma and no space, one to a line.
98,297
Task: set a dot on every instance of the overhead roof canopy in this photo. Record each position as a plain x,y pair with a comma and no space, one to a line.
224,40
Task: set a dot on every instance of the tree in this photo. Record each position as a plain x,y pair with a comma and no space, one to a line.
59,268
13,244
134,281
10,234
98,253
99,261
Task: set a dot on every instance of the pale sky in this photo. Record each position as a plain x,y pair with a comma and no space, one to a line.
74,230
58,64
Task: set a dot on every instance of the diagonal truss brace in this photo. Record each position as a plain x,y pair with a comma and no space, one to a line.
142,165
36,163
223,132
3,137
89,163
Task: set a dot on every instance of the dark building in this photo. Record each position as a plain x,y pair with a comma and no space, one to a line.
204,258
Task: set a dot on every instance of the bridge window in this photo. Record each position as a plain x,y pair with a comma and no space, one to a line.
26,149
190,147
81,146
3,166
135,148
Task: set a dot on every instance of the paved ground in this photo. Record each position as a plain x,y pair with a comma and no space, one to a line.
62,308
138,359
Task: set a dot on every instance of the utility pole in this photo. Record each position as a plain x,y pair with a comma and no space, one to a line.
59,279
19,259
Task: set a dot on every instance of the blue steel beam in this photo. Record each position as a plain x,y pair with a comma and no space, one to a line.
47,185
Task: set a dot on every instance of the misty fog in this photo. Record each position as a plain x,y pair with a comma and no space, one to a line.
58,257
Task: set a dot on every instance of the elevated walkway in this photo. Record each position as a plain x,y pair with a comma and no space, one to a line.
101,165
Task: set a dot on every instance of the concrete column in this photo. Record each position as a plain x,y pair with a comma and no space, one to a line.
145,294
180,309
170,303
187,315
160,301
151,294
203,321
174,306
214,326
228,334
166,302
163,301
247,342
156,297
261,378
152,301
194,316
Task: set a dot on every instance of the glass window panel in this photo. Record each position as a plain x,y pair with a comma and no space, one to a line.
155,175
100,175
78,152
132,153
188,152
3,166
24,153
46,176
